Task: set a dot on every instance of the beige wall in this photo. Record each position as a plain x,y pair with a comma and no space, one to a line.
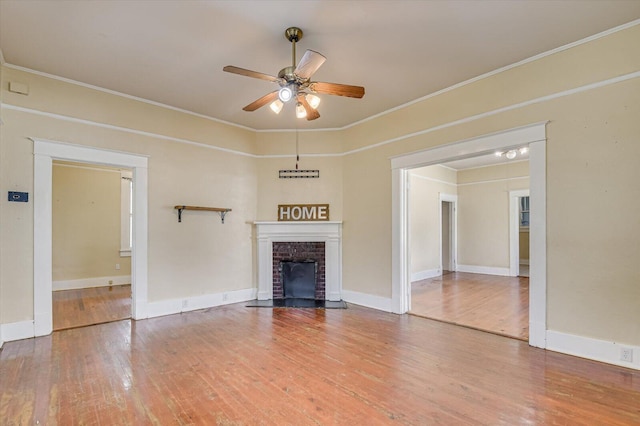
425,186
196,257
86,223
592,151
483,213
592,147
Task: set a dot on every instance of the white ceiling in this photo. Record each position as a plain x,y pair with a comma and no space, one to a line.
173,52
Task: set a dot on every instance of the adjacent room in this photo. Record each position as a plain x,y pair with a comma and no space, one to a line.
319,212
462,268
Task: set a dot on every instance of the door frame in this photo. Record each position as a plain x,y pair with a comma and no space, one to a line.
45,151
453,230
533,136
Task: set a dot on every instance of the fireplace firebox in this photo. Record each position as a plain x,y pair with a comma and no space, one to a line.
299,279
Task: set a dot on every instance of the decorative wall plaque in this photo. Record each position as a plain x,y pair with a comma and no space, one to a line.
302,212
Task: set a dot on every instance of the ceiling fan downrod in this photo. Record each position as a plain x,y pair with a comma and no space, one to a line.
294,35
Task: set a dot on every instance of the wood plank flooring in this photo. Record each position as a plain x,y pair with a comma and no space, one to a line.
233,365
486,302
89,306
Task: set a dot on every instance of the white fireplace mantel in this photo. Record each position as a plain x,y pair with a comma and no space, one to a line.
328,232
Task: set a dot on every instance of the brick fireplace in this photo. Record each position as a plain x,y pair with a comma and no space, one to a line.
312,251
319,242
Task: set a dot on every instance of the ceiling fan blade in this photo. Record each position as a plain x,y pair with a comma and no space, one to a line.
337,89
309,64
249,73
312,113
266,99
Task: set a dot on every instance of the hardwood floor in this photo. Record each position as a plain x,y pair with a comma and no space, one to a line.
485,302
89,306
233,365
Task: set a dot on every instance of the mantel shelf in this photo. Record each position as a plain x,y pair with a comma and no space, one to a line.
223,211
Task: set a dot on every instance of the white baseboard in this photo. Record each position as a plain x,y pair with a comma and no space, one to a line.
423,275
17,331
524,261
176,306
597,350
488,270
367,300
91,282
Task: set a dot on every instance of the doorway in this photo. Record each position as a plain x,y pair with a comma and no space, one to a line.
533,136
44,153
92,244
448,233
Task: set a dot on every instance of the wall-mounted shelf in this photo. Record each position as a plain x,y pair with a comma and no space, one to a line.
223,212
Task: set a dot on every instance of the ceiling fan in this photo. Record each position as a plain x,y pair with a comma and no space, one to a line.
295,83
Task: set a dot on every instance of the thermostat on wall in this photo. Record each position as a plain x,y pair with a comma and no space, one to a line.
22,197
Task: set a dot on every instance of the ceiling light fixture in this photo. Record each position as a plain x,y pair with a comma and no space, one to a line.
276,106
300,111
313,100
513,153
286,93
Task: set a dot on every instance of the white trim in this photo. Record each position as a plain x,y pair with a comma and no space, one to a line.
91,282
552,96
471,147
514,230
487,270
44,153
400,241
368,300
595,349
17,331
535,136
122,129
126,178
538,244
426,274
480,182
187,304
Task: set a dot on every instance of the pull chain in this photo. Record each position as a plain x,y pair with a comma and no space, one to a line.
297,150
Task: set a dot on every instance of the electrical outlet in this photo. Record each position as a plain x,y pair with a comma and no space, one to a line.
117,266
626,354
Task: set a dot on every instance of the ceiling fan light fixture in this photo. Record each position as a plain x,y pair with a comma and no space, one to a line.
300,111
276,106
286,93
313,100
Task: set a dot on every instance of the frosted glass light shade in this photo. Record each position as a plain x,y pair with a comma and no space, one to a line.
300,111
276,106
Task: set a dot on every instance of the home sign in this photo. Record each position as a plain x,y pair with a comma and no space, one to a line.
302,212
